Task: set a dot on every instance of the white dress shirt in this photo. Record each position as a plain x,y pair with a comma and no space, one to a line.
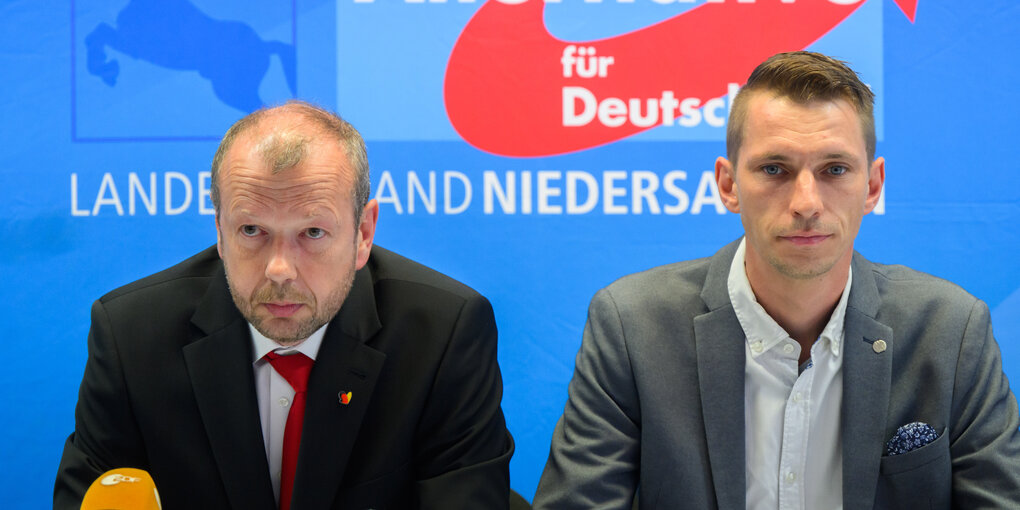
793,436
275,394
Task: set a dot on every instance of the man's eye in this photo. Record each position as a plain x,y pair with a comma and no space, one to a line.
838,170
315,233
771,170
249,230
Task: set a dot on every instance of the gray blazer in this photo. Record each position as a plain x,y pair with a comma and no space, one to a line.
656,403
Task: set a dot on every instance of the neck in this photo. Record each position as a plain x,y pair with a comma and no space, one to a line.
801,306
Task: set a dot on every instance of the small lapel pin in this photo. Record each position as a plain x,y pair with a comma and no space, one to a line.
878,346
345,398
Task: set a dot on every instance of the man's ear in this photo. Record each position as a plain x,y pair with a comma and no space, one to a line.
726,181
219,236
876,179
366,231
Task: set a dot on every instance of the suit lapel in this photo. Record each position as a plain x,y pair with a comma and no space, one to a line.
719,342
867,377
220,368
344,364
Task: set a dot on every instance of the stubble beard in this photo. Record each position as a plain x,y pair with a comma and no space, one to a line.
815,268
292,331
810,268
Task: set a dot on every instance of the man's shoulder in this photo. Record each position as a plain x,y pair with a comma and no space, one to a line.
897,281
194,272
675,287
906,296
391,269
687,274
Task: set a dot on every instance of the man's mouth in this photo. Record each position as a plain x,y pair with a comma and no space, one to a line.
282,309
806,238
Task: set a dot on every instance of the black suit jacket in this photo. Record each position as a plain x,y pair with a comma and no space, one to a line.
169,387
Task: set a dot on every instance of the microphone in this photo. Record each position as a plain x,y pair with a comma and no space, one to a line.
122,489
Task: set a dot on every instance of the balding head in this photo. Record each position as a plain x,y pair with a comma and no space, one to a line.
282,136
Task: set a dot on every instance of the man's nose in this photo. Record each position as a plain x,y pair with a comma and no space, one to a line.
806,200
280,267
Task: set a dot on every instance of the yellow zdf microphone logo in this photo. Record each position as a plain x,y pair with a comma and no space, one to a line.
122,489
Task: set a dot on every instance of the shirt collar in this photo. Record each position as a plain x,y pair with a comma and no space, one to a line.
759,326
835,328
262,345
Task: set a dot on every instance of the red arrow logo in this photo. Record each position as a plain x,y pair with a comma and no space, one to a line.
909,7
515,90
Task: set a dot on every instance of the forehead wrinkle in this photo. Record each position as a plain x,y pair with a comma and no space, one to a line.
302,192
316,207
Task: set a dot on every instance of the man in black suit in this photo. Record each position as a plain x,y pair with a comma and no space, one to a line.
402,408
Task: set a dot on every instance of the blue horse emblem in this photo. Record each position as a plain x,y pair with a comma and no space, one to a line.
175,34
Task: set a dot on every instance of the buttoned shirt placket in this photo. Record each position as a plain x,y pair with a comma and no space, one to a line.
793,436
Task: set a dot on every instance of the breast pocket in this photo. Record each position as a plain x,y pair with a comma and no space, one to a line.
919,479
392,491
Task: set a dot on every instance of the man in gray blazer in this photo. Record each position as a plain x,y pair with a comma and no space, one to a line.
787,371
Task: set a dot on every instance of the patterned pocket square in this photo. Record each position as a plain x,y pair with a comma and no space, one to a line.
910,437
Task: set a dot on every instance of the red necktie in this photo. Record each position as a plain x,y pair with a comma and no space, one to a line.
295,369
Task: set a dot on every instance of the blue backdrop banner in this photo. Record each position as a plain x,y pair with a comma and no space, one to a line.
536,150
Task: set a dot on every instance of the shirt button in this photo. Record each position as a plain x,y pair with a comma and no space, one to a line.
791,477
284,402
796,399
757,346
788,348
